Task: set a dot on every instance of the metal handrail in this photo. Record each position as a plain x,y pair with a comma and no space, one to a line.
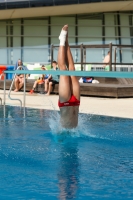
0,79
12,85
1,100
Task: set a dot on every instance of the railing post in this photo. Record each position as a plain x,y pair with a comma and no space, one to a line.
52,47
4,89
81,53
24,89
115,58
84,58
110,62
1,100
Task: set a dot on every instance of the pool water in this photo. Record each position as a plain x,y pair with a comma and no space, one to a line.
39,160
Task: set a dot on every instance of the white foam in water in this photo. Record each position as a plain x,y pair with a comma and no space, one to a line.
85,129
79,131
56,128
82,130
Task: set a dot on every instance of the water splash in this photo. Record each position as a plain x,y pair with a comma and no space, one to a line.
81,130
94,127
57,129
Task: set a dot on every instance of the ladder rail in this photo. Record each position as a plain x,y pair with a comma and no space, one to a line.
9,93
0,79
1,100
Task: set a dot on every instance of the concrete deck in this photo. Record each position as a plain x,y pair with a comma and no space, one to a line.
92,105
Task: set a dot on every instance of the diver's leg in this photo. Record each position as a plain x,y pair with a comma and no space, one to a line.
75,87
64,82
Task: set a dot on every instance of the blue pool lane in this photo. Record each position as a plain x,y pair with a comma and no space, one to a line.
38,160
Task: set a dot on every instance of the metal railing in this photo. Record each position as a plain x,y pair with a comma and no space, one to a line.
45,54
1,100
110,46
12,86
0,79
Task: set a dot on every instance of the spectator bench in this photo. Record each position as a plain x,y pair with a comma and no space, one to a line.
101,89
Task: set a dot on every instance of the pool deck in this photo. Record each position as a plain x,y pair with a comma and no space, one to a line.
92,105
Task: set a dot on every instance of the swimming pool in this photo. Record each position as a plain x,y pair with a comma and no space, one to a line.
40,161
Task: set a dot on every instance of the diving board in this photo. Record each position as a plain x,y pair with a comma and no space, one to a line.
75,73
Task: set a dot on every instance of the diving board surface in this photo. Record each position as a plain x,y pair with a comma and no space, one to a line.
76,73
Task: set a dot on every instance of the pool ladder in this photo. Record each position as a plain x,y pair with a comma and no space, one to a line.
1,100
0,79
9,93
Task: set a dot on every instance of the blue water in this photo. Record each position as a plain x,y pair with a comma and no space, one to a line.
39,160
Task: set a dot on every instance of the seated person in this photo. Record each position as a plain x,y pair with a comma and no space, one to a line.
69,89
87,79
19,78
40,80
106,61
52,80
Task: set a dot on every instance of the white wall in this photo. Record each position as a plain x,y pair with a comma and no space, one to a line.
90,32
35,48
89,28
16,40
3,43
57,24
125,32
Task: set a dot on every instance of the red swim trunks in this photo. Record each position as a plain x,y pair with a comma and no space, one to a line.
72,102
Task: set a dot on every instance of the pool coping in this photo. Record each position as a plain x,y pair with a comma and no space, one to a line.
89,105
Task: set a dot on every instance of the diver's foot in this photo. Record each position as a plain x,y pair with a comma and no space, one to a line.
47,94
63,35
16,90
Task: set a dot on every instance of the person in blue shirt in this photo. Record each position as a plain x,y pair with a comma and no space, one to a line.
51,80
19,78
